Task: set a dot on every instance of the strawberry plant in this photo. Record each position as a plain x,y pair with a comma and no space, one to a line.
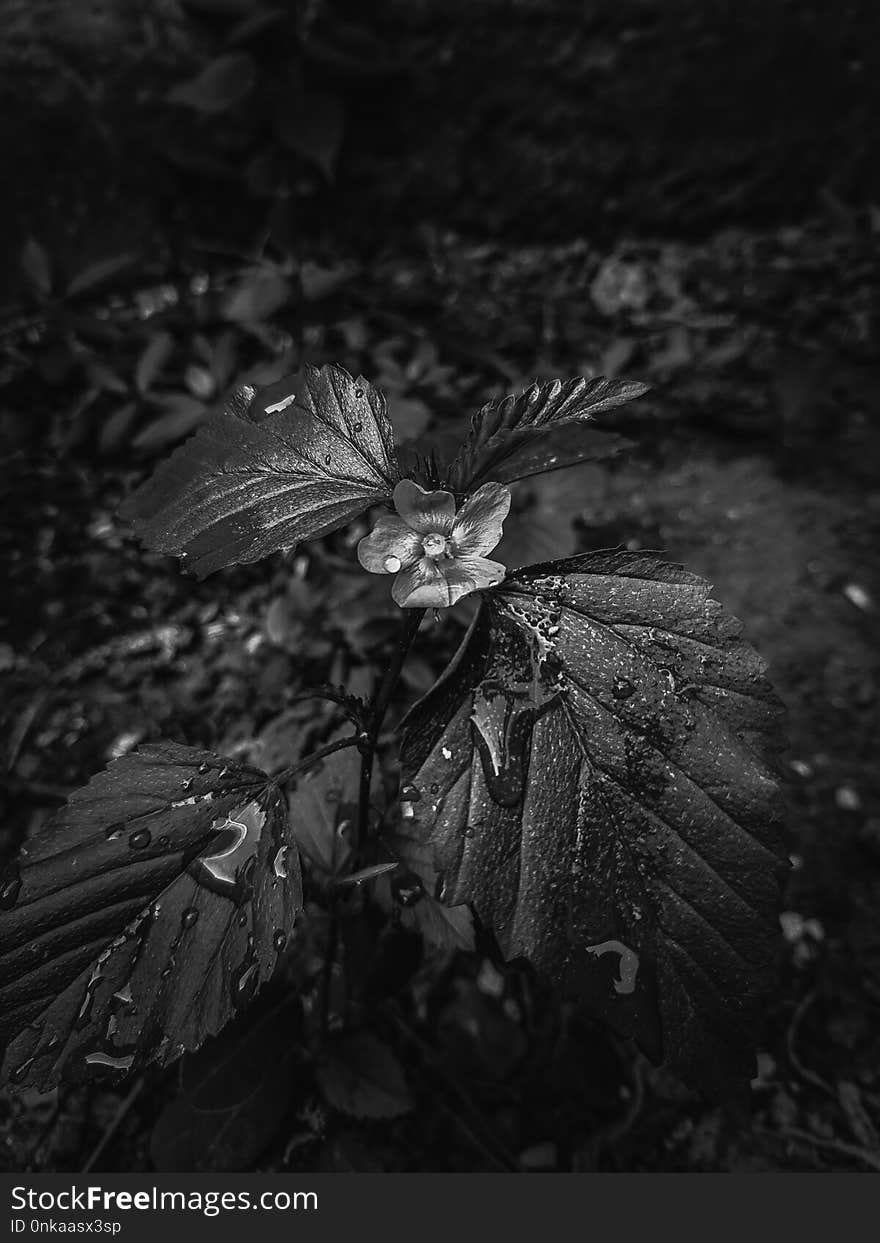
589,785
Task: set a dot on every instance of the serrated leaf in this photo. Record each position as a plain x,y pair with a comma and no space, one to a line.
593,774
223,84
263,475
361,1076
572,444
504,429
146,913
312,124
234,1093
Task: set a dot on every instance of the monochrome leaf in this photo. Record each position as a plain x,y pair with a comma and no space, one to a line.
147,911
501,442
291,463
593,774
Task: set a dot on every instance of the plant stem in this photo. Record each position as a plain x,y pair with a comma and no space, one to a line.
376,715
315,758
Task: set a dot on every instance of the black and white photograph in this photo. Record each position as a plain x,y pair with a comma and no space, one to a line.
440,629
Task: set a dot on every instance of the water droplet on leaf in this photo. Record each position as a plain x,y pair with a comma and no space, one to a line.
10,887
228,870
502,729
109,1062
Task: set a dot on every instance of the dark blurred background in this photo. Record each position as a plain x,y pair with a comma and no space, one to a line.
454,197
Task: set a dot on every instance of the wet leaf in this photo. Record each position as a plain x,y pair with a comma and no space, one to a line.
593,773
296,461
501,444
361,1076
569,445
235,1092
413,888
147,912
223,84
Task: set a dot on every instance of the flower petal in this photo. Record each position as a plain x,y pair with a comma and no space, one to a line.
424,511
390,538
427,585
477,527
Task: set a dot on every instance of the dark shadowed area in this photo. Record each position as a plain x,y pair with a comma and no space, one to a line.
451,199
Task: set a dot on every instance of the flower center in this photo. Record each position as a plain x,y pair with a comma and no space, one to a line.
435,544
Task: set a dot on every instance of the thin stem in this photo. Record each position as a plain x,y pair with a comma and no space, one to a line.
366,741
315,758
376,715
114,1125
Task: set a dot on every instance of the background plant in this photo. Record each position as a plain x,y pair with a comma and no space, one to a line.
591,777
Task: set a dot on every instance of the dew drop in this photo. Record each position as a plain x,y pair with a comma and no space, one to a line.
392,564
279,940
502,731
229,869
189,918
327,460
358,427
279,863
245,981
628,967
203,767
10,887
20,1072
109,1062
622,688
140,840
358,392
